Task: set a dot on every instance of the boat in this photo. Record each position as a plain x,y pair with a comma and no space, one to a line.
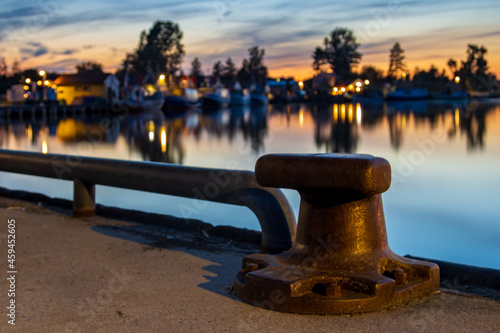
260,97
139,101
406,94
186,100
368,97
455,95
215,99
240,96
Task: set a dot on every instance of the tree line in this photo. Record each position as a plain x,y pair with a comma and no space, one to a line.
160,51
340,55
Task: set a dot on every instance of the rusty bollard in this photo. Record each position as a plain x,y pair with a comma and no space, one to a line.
341,262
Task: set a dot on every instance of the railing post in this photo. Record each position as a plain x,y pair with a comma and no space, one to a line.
83,199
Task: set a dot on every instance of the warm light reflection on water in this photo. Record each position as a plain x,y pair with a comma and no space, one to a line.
444,156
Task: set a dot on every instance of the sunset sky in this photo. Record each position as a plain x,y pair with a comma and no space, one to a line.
58,34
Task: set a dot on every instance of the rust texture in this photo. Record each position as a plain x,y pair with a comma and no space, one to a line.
341,262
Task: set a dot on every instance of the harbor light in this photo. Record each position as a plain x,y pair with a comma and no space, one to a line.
41,73
46,82
342,89
358,89
367,82
45,148
26,87
457,79
358,114
162,77
28,81
25,95
38,83
358,84
163,139
403,75
301,84
335,89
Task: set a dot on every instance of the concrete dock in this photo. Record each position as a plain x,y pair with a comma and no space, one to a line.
105,275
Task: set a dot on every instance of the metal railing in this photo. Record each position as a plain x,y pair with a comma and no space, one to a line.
234,187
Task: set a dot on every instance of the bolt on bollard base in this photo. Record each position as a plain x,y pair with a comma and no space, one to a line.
341,262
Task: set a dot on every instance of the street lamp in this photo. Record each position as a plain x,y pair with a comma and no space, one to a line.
301,85
457,79
43,74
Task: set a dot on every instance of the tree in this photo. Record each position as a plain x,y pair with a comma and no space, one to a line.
15,69
196,71
396,60
431,79
473,71
258,71
372,74
340,51
320,60
244,76
217,70
452,64
160,50
89,66
229,73
3,67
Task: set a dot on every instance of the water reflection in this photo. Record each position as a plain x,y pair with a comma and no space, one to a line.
335,128
155,138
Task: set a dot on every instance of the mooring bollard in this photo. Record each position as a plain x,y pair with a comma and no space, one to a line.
341,262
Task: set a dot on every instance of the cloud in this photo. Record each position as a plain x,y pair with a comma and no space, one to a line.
16,14
33,49
486,34
66,52
60,66
27,23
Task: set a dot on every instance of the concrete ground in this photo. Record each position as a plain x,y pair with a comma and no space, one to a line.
102,275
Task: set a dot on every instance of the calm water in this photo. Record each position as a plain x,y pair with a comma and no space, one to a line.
445,157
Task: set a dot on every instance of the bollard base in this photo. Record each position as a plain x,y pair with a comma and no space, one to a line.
341,262
281,283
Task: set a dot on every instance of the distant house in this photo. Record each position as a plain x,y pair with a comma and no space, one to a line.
323,83
16,94
75,88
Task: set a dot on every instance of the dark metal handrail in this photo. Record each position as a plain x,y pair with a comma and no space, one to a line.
234,187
